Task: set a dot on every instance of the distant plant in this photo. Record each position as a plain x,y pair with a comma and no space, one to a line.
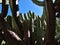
28,29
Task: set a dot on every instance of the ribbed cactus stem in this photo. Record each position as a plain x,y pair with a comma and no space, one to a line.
2,16
4,9
51,23
14,8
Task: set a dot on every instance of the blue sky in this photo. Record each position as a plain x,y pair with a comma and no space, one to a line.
25,6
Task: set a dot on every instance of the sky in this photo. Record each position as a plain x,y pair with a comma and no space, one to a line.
25,6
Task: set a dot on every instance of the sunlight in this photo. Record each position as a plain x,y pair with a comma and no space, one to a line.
17,13
14,34
7,2
16,2
53,1
0,1
28,33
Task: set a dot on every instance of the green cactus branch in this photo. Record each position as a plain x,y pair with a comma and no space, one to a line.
4,9
40,3
2,16
14,9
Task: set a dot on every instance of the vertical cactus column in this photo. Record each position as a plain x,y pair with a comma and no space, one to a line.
40,26
32,41
2,15
14,8
51,24
50,32
5,27
4,9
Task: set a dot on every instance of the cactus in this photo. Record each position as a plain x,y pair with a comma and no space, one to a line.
23,23
4,9
4,25
14,9
2,16
9,19
48,6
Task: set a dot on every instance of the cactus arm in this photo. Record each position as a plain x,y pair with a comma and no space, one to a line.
40,3
4,9
12,5
14,9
